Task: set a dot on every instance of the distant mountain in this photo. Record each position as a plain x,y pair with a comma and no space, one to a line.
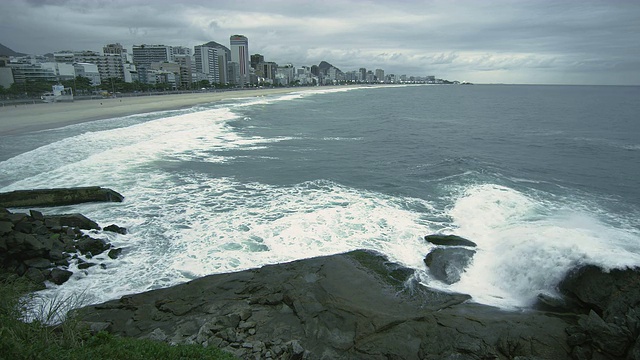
324,67
8,52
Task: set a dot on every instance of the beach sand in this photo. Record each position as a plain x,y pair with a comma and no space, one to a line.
32,117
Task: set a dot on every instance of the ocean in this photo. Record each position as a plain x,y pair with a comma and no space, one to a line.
542,178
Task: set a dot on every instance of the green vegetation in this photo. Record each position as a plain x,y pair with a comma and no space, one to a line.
36,340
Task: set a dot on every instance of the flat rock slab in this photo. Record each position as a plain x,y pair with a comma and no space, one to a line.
57,197
356,305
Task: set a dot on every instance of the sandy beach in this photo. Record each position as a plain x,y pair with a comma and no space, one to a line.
32,117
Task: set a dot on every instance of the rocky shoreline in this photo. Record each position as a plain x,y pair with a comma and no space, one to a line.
357,305
42,247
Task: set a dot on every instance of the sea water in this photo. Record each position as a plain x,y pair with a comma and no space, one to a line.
542,178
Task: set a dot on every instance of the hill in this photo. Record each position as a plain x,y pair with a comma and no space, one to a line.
325,66
8,52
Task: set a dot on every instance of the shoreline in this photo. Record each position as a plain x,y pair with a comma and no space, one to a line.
15,120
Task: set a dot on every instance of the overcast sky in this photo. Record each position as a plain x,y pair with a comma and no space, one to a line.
526,41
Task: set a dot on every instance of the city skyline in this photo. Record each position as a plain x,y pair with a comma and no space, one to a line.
502,42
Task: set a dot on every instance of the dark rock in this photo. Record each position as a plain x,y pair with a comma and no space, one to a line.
114,253
449,240
344,306
26,246
36,215
608,337
86,265
5,227
35,275
610,294
24,226
72,220
58,197
38,263
90,245
116,229
448,264
59,276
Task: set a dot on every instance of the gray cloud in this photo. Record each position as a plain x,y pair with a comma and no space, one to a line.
496,41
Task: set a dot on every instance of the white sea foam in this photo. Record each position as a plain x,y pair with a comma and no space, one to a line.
185,224
526,245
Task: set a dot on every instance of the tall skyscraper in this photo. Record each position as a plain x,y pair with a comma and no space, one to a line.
211,61
240,55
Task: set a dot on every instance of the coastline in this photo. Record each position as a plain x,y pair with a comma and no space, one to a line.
42,116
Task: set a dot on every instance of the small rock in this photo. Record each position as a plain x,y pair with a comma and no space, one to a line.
36,215
114,253
86,265
245,314
91,245
247,325
116,229
449,240
296,348
157,335
59,276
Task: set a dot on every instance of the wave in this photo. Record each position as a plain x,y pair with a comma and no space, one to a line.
526,244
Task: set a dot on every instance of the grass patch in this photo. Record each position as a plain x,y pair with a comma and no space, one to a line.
38,340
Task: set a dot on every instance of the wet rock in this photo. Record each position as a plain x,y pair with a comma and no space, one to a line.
449,240
448,264
92,246
59,276
116,229
71,220
114,253
352,309
58,197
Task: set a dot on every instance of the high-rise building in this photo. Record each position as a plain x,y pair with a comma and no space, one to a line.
256,59
363,74
211,62
144,55
186,77
114,49
110,65
219,71
240,55
180,50
380,75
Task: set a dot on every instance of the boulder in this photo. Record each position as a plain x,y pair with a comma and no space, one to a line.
449,240
116,229
114,253
71,220
448,264
93,246
59,276
34,245
58,197
5,227
612,301
355,305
